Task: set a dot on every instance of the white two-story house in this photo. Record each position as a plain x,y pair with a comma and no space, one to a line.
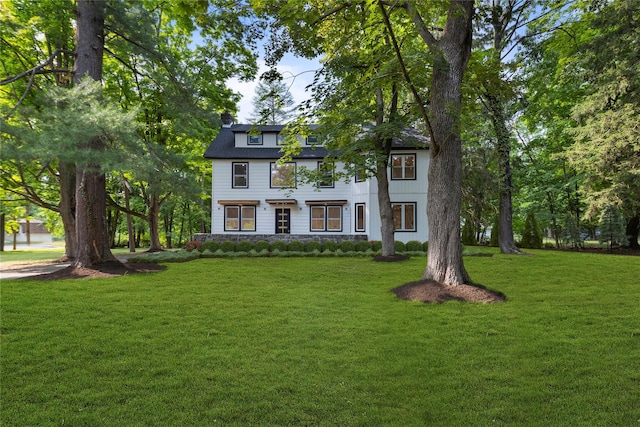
256,198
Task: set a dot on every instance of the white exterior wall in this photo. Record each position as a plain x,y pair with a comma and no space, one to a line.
361,192
399,191
259,189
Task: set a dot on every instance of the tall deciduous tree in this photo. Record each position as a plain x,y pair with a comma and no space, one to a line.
450,52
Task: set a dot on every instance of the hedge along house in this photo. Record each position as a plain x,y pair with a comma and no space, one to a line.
255,198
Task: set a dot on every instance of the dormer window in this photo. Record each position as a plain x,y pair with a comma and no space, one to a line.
254,139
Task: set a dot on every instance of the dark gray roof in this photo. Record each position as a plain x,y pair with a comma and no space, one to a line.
223,146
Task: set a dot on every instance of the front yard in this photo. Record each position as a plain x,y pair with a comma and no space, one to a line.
323,341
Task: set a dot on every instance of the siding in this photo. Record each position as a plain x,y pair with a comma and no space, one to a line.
362,192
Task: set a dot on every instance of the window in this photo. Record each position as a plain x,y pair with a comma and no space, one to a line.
325,175
361,215
326,218
255,139
404,216
240,175
280,138
239,218
284,175
403,166
361,176
312,139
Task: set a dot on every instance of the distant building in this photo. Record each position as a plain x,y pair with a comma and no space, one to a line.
39,233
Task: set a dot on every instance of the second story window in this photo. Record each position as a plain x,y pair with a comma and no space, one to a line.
254,139
283,176
312,140
403,166
325,175
240,177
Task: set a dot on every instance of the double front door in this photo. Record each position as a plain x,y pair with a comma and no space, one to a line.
283,220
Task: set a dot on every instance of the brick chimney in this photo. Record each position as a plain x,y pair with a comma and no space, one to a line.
227,119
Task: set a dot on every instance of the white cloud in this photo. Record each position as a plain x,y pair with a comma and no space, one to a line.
297,74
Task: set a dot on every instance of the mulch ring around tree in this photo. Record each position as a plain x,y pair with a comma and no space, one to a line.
100,271
430,291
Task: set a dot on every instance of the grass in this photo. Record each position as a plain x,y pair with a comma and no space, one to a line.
323,341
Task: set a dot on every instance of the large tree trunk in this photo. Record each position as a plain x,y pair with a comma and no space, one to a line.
444,195
92,237
387,227
67,181
154,226
506,241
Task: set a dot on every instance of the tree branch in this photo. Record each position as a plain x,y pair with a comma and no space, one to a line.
407,77
421,27
37,69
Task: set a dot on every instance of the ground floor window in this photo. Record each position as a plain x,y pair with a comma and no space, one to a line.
404,216
239,218
360,216
326,218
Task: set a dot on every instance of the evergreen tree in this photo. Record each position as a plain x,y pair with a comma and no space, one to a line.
272,103
571,232
612,226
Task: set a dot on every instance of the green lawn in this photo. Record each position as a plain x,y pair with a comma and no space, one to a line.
323,341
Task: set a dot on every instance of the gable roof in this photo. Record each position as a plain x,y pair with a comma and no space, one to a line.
223,146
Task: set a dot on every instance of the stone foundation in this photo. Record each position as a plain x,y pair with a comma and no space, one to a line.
304,238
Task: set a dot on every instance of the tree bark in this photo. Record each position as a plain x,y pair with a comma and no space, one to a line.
387,228
444,195
506,241
92,237
67,206
154,226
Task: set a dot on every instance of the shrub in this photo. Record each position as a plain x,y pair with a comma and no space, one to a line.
376,245
228,246
261,245
329,245
414,246
210,245
244,246
279,245
347,246
399,246
425,246
363,246
312,246
295,246
193,245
